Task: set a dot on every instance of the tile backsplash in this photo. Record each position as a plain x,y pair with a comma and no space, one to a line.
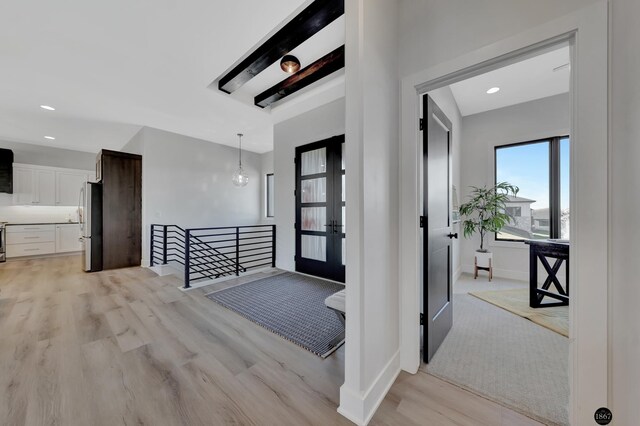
38,214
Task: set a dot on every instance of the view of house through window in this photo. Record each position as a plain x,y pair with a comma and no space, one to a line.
270,200
528,165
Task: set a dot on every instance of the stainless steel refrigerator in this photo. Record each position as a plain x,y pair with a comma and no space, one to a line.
90,220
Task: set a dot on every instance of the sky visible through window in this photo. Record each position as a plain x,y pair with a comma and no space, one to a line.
527,166
564,173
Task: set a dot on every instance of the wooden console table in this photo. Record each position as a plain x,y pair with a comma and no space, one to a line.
540,250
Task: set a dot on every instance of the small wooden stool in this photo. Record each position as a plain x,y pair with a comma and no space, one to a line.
483,268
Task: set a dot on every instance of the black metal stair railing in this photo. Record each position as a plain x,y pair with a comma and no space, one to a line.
207,253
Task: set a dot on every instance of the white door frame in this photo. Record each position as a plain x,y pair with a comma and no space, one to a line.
586,30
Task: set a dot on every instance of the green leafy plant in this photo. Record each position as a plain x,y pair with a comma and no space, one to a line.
486,210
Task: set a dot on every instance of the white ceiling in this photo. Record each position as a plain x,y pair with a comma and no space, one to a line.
524,81
111,67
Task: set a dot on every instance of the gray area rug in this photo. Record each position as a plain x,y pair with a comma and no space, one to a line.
507,359
291,306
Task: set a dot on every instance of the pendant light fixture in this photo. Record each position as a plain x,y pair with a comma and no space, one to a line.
240,178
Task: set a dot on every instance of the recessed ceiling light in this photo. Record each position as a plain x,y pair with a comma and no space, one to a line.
50,138
493,90
47,107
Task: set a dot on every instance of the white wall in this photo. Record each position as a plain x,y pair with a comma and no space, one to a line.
372,358
480,134
435,31
625,205
312,126
187,182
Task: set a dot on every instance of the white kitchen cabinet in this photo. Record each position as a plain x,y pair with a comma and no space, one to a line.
43,239
23,185
48,186
30,240
45,187
68,238
68,185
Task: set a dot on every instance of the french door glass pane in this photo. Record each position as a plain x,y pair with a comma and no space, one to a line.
314,162
344,186
344,219
314,190
314,247
343,167
564,188
314,218
344,252
527,167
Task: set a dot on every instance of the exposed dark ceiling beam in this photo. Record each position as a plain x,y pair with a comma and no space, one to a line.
315,17
321,68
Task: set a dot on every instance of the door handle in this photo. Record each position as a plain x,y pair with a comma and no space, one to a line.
453,236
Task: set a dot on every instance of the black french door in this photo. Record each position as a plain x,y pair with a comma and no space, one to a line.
320,209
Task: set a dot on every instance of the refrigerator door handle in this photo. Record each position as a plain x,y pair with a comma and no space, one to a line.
80,206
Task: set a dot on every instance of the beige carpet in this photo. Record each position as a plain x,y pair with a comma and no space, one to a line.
517,301
507,359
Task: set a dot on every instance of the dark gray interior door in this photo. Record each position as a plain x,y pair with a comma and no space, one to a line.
437,286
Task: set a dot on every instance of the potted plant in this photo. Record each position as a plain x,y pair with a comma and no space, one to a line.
485,212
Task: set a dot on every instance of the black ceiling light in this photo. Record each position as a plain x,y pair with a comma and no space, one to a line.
290,64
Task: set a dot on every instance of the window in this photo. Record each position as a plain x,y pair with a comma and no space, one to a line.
541,170
514,211
270,200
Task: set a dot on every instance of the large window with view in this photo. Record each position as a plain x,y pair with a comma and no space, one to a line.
541,170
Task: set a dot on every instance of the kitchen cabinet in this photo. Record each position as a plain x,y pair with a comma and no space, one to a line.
68,184
48,186
30,240
122,209
45,187
68,238
23,185
42,239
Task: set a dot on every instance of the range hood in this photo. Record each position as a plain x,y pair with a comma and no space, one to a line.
6,171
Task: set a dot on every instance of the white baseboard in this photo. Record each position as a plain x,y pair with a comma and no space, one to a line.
510,274
205,283
359,407
167,269
457,273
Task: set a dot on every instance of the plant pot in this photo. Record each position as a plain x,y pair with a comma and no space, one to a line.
484,259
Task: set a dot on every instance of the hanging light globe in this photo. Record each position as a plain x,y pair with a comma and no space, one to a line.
240,177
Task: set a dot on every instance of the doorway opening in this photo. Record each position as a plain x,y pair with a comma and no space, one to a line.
510,124
320,209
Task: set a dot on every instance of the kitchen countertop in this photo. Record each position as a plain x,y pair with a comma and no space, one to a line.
41,223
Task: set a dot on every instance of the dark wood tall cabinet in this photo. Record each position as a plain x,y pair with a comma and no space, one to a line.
121,176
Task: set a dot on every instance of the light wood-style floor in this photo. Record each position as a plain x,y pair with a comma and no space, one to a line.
128,347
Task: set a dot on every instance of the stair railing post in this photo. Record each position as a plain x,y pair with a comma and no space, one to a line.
273,246
151,246
164,245
237,251
187,257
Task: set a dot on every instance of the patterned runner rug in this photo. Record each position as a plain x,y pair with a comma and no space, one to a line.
291,306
